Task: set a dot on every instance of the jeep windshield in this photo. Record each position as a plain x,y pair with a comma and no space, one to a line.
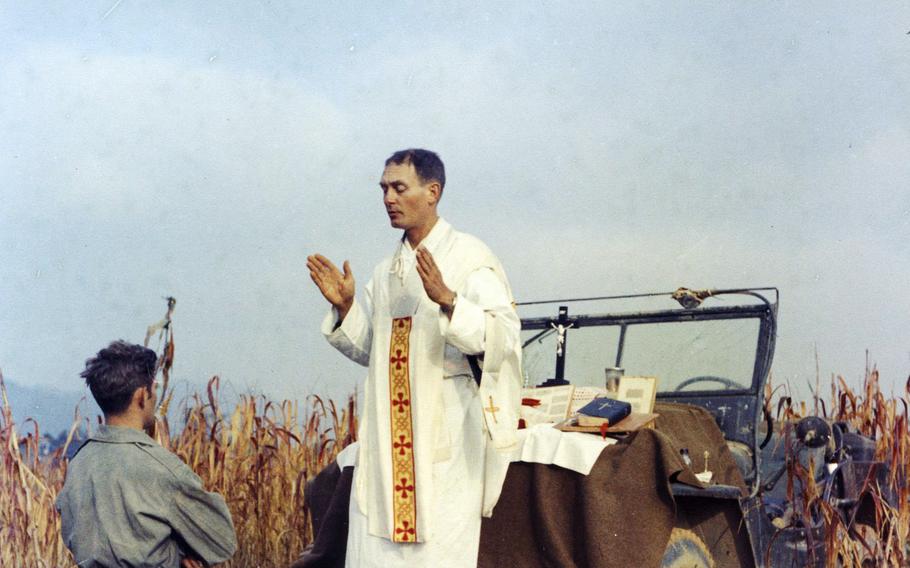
723,344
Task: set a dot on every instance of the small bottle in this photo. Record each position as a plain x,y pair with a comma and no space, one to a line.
685,456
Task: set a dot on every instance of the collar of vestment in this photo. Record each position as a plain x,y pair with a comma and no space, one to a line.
430,242
405,257
121,435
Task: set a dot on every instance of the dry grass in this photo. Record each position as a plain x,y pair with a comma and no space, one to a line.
259,455
879,538
29,522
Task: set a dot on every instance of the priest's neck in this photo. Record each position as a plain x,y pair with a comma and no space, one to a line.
416,234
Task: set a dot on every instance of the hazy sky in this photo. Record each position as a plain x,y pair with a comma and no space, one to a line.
202,150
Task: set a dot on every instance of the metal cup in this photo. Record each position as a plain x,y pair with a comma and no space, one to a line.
612,376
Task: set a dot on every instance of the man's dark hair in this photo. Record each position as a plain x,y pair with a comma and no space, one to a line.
114,374
426,164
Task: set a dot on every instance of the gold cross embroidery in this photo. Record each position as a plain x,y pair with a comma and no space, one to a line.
492,410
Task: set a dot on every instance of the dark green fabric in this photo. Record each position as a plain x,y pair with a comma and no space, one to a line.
620,515
693,427
127,501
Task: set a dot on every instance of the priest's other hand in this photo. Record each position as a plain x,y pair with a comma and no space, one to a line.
336,287
433,283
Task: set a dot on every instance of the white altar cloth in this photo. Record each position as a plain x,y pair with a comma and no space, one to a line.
541,443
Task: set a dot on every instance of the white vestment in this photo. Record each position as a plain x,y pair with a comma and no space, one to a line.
433,447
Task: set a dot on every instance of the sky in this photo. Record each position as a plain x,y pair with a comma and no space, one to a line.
202,151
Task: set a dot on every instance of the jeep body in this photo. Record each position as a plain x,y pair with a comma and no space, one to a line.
712,349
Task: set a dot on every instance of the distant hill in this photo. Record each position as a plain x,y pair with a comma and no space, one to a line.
52,409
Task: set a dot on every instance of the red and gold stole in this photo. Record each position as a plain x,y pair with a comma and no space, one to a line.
404,498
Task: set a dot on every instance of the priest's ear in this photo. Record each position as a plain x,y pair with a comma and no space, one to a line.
435,190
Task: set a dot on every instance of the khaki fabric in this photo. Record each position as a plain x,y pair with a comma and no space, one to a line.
127,501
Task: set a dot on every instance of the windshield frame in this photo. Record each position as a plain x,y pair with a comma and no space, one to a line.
765,313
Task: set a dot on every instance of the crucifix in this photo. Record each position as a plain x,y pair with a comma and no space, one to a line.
492,410
561,325
560,336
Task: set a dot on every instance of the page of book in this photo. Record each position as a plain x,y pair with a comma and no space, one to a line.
555,402
583,395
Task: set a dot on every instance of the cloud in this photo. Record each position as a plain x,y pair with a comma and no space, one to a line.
597,152
136,177
111,126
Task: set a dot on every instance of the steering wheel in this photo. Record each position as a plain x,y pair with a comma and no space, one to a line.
731,385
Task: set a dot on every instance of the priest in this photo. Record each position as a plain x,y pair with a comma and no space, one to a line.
438,332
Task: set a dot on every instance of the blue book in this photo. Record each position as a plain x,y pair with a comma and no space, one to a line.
602,410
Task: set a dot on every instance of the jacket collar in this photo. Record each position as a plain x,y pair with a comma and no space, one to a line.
121,435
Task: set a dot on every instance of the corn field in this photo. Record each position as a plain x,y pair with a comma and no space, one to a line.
879,538
258,456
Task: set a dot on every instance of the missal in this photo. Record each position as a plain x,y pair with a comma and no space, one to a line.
603,410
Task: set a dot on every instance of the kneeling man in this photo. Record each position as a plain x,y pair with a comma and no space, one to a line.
127,501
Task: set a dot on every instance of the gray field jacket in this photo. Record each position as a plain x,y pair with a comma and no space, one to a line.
129,502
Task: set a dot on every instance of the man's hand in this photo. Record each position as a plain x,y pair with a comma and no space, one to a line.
336,287
188,562
433,283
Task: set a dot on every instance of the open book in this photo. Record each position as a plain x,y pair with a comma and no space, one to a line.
553,404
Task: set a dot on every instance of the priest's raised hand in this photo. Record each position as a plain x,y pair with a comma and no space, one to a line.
337,287
433,283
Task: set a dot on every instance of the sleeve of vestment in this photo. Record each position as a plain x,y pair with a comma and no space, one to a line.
482,292
201,518
354,336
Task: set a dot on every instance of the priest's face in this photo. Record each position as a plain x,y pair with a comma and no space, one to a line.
409,202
